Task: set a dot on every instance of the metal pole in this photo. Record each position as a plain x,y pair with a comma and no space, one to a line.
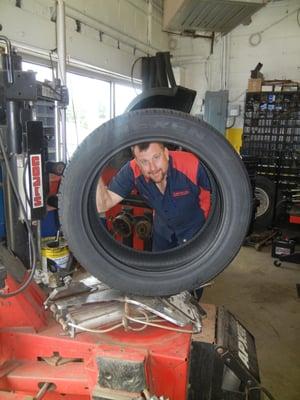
149,23
14,137
46,387
61,73
10,77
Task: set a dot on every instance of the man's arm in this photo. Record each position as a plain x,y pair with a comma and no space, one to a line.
119,187
105,198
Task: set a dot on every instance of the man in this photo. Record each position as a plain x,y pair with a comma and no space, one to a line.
173,183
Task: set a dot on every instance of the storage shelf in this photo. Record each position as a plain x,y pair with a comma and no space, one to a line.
271,136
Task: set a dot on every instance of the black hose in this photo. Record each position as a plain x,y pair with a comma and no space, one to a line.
132,70
262,389
232,124
24,182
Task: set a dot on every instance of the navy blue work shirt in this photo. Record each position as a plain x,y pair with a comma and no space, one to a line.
181,210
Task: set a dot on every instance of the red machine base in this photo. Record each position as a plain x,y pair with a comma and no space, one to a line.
118,365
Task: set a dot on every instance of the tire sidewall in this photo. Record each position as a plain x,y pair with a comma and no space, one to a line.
196,262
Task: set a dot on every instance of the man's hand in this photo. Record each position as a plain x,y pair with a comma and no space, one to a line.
105,199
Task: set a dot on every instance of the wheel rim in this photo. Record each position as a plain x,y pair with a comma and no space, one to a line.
264,202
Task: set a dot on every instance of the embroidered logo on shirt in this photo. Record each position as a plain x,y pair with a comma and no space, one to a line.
181,193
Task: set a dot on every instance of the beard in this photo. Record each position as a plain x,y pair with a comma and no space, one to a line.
158,177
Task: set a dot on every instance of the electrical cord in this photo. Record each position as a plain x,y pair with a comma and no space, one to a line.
145,321
260,388
168,328
112,328
24,181
75,122
237,97
205,69
232,124
256,38
51,88
125,320
21,288
131,72
52,64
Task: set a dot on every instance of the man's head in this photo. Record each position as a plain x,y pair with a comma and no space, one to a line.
153,160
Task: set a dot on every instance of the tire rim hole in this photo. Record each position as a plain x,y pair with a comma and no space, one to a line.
120,221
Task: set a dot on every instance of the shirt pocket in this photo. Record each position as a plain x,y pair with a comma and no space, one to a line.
185,204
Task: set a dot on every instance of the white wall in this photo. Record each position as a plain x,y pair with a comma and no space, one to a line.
279,51
131,28
136,24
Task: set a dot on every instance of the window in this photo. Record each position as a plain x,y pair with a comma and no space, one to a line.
45,110
124,94
42,72
89,102
89,107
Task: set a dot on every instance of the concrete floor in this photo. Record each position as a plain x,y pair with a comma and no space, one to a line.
265,300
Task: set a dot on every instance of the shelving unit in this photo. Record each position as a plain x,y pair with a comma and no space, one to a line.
271,135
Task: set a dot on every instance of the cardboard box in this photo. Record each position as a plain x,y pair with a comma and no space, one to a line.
277,88
290,88
267,88
254,85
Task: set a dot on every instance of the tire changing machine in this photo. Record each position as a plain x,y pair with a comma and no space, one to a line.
84,340
65,347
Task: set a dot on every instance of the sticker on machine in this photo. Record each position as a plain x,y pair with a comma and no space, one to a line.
36,180
242,345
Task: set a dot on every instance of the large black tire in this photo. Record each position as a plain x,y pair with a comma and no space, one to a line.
160,273
265,192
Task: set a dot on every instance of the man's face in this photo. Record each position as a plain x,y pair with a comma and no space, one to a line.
153,161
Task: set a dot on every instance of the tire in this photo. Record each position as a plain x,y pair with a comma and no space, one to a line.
265,191
159,273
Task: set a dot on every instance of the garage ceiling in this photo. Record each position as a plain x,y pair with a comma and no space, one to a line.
208,15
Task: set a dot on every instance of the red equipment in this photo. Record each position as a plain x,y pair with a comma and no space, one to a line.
38,360
35,352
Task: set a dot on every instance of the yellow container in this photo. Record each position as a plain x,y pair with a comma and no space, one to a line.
234,136
55,254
